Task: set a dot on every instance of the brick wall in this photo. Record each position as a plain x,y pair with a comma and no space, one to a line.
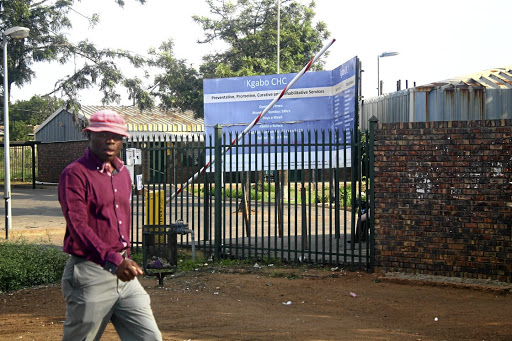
52,158
444,198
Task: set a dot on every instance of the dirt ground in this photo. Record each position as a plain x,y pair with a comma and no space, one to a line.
271,303
288,304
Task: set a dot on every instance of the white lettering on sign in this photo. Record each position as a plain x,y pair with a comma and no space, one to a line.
265,82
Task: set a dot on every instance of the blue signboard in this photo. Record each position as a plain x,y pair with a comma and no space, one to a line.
318,101
344,97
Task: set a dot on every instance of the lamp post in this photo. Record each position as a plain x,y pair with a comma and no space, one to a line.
278,33
15,33
382,55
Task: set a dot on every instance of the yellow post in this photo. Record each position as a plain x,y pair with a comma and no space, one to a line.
155,206
155,211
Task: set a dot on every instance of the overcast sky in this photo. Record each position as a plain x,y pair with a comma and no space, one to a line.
436,39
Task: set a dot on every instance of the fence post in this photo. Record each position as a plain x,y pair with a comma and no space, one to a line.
371,207
354,145
33,166
23,163
218,191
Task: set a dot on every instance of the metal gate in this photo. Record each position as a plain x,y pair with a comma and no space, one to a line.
296,196
22,162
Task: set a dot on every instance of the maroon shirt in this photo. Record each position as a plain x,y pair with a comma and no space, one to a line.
96,206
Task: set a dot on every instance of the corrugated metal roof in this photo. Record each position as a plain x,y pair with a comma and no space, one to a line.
484,95
497,78
152,120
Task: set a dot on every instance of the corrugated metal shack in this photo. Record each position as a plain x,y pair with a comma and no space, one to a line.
486,95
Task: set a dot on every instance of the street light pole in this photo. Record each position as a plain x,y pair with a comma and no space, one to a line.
382,55
15,33
378,76
278,33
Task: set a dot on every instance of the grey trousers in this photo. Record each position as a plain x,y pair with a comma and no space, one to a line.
94,297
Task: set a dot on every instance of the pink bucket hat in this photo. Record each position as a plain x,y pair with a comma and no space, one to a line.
107,120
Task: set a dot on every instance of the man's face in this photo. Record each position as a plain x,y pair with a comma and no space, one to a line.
105,145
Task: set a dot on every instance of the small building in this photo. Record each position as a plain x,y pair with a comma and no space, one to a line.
64,125
62,140
485,95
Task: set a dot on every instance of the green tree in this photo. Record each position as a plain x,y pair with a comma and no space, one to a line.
35,110
24,115
179,86
19,131
47,21
249,29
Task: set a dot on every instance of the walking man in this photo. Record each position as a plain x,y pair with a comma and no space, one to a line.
100,283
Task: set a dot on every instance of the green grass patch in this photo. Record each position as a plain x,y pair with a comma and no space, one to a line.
280,274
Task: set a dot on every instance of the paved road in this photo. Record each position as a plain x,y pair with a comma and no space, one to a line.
35,213
37,216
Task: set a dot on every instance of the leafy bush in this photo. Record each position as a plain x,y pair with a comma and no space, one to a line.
137,256
322,195
232,193
323,198
257,192
24,264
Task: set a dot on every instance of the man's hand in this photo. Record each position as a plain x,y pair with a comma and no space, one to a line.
128,270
